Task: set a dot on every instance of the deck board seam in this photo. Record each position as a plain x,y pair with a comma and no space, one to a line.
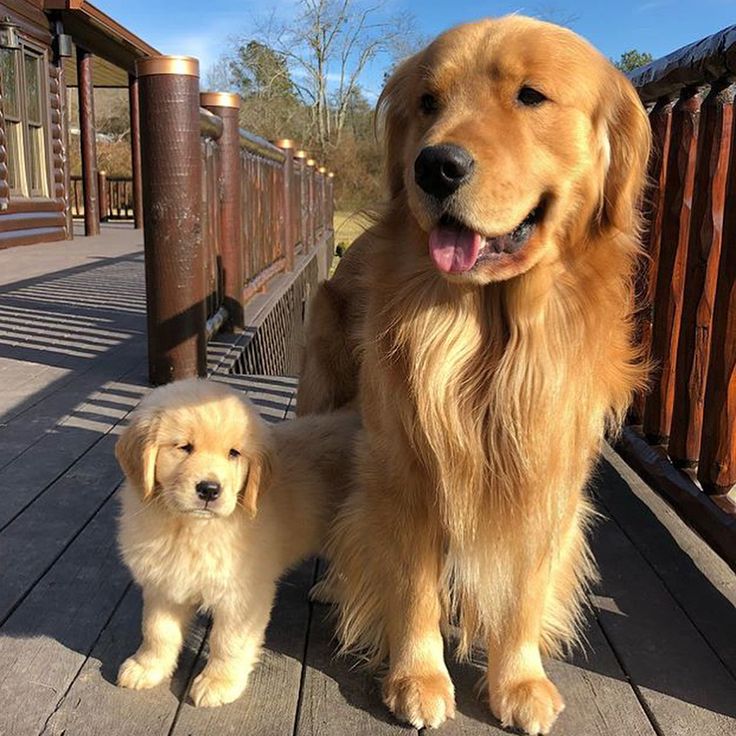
653,722
305,652
63,472
73,680
56,558
670,592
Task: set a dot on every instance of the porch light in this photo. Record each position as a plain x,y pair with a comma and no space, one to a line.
9,34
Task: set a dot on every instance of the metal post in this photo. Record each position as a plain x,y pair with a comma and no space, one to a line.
290,237
227,106
135,151
172,221
88,145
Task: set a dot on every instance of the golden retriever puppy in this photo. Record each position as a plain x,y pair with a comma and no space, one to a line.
215,507
493,348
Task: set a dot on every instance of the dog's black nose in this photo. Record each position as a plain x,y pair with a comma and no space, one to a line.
440,170
208,490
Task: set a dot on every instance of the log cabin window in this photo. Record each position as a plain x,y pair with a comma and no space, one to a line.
24,108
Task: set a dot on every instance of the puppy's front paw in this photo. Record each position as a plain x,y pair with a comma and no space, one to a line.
531,705
136,676
210,691
421,700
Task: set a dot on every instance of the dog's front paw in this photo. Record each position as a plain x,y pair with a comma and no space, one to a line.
421,700
136,676
210,691
531,705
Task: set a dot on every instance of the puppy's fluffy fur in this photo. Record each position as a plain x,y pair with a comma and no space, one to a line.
485,392
278,488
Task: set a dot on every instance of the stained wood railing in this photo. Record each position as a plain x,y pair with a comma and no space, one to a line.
225,211
115,196
683,431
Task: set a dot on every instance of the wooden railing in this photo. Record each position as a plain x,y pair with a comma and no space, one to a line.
225,211
115,196
683,434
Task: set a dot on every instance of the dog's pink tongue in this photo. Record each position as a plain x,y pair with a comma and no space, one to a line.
454,250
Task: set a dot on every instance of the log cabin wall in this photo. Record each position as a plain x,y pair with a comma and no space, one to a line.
38,216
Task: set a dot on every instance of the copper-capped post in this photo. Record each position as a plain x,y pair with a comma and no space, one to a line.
300,158
226,105
289,222
178,66
172,201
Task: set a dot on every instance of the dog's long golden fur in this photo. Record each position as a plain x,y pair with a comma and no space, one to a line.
486,393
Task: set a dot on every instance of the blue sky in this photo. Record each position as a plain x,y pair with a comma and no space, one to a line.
201,29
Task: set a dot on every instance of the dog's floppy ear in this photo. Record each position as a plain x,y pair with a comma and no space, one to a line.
392,120
136,451
627,141
259,477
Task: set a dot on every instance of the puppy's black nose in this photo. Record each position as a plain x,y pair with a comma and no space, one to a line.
440,170
208,490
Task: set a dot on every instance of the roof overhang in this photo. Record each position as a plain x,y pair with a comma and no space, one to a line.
97,32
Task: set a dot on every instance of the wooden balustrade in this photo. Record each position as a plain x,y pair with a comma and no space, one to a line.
687,290
225,211
118,198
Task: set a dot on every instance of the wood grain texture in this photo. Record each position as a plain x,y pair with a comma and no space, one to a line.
704,250
672,261
717,468
660,119
684,685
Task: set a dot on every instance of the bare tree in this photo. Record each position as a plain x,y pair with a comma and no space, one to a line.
328,47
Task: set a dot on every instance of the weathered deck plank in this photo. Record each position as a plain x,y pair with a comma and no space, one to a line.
686,688
662,652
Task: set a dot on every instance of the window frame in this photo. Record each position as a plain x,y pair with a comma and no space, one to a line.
25,175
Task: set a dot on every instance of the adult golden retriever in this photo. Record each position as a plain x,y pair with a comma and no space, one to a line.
493,343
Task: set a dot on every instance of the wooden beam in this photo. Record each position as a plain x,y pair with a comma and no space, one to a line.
135,151
88,144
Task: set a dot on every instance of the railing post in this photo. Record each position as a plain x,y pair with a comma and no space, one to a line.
135,151
312,218
322,200
660,119
88,145
672,262
172,215
717,463
287,146
103,198
300,160
704,252
227,106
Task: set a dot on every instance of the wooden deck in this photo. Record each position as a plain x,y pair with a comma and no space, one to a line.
661,658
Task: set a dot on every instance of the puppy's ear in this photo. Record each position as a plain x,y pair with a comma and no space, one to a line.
392,117
627,140
136,451
259,477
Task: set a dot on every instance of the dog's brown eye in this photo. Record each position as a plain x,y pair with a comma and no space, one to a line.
428,103
234,454
530,97
188,448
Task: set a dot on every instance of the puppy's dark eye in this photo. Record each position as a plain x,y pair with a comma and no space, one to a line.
428,104
530,97
188,448
234,454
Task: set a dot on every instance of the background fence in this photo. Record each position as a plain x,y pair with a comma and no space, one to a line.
225,212
687,309
115,195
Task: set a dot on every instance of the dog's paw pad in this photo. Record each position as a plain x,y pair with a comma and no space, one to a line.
421,700
531,705
135,676
209,691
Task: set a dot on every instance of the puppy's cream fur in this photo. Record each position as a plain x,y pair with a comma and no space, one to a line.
279,487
